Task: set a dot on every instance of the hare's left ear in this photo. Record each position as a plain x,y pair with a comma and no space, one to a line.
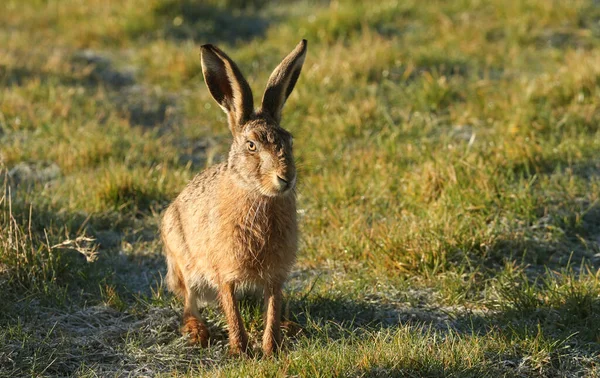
282,81
227,86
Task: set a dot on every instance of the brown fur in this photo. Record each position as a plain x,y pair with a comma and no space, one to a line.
234,225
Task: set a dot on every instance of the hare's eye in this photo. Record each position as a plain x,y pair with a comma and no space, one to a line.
251,146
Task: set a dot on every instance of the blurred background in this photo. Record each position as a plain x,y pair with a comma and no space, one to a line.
449,183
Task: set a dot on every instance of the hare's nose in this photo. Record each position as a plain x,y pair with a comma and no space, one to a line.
283,183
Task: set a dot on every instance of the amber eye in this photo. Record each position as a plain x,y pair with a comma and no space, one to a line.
251,146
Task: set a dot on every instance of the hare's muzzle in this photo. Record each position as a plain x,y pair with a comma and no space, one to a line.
283,184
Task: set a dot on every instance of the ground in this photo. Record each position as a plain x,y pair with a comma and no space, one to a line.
449,184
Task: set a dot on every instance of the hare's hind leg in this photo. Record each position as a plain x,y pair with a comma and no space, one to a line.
193,326
174,278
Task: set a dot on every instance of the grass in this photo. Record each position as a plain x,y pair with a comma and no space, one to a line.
449,190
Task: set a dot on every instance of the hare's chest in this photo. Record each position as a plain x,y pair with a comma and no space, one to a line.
264,244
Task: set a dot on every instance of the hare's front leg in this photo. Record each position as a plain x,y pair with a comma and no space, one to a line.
238,339
272,336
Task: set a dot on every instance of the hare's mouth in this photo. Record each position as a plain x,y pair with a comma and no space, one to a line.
279,185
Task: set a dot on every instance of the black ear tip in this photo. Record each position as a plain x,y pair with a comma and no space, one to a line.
301,47
209,50
208,47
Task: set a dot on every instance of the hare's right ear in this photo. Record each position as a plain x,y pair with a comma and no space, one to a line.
227,86
282,81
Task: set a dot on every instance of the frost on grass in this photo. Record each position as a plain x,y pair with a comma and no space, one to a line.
99,68
143,105
32,173
102,340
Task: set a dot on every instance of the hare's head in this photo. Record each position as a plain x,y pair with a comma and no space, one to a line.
261,156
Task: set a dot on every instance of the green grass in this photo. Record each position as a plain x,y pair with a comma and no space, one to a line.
449,196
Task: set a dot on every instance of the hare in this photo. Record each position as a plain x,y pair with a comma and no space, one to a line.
234,225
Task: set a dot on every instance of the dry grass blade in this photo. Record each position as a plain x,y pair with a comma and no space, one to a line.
82,244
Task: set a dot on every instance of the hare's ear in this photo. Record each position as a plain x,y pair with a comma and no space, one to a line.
227,86
282,81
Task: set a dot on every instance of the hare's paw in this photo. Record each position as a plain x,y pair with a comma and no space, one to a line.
238,346
271,342
196,331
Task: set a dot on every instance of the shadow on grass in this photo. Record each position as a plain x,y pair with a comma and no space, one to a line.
88,69
574,317
425,369
564,337
564,234
113,337
140,105
343,316
47,254
537,165
149,108
203,22
537,328
561,231
61,313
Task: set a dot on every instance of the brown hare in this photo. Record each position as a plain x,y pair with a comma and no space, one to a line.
234,225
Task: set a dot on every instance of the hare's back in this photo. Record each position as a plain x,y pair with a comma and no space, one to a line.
188,214
202,186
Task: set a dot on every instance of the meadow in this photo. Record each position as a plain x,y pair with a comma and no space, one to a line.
449,184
